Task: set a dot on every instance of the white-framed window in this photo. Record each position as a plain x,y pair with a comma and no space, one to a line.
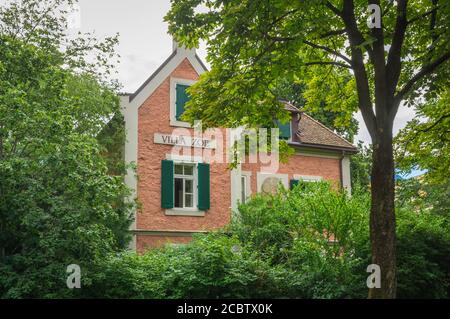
184,186
177,87
244,183
245,186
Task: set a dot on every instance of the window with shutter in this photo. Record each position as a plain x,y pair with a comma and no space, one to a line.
203,187
167,184
181,98
285,130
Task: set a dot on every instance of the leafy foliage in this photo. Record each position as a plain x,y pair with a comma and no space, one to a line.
423,260
58,204
421,194
424,142
295,94
343,62
213,266
311,242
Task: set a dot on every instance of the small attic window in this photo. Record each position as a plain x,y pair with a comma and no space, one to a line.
285,130
178,99
182,97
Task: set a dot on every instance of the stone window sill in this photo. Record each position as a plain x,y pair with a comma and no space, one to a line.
184,212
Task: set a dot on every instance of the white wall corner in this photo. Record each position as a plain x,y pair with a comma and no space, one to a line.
235,185
346,177
131,123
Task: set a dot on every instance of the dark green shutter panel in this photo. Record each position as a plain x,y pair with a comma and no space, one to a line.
203,186
293,183
285,130
181,99
166,184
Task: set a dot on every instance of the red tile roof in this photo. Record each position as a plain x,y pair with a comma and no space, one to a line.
313,133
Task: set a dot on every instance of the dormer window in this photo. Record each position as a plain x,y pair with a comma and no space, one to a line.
285,130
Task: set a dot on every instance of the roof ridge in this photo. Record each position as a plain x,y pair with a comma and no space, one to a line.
328,129
142,86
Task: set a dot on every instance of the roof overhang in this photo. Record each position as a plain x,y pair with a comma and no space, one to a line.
339,149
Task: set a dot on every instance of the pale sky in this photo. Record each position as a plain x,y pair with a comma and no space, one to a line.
145,43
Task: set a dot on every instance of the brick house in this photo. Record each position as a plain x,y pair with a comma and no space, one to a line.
185,194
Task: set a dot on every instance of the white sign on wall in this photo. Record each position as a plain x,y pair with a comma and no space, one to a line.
181,140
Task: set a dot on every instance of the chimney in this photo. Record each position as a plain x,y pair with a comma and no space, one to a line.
178,47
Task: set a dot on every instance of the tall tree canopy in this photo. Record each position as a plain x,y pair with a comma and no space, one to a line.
328,46
58,204
338,121
425,141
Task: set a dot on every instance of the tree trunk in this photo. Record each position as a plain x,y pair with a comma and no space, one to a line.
382,215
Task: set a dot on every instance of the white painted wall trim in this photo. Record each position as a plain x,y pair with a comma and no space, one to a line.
248,174
346,177
130,117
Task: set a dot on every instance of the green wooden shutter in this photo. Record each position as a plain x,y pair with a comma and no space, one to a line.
293,183
181,99
203,187
285,130
166,184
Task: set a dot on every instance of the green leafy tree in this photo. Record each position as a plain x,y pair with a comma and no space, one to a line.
424,144
340,58
294,93
58,204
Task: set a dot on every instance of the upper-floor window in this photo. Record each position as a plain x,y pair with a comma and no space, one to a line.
182,96
178,99
285,130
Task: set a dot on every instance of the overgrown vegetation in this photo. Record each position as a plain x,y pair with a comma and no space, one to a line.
58,203
312,242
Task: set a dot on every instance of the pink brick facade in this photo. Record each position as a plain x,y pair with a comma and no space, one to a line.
326,168
153,225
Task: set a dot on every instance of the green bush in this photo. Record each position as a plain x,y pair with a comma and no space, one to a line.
311,242
423,255
212,266
317,234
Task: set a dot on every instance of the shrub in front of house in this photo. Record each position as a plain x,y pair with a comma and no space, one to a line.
310,242
215,265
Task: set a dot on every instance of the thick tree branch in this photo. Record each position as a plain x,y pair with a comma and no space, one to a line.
335,10
332,33
311,44
433,125
340,64
426,70
382,89
393,66
362,83
423,15
329,50
433,17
